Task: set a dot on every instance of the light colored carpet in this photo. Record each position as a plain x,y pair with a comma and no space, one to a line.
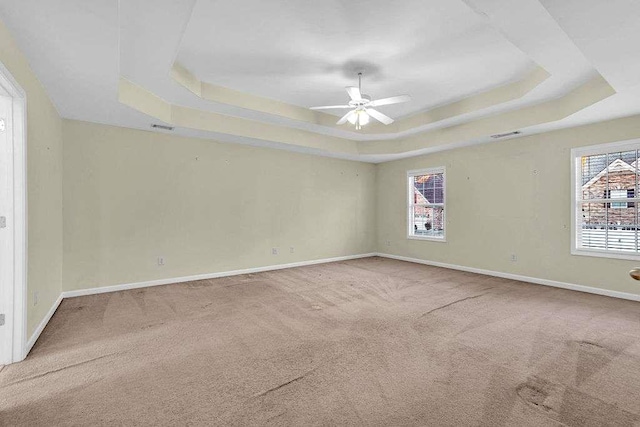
363,342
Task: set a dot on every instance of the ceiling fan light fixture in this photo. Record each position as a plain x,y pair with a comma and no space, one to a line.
359,119
361,107
363,118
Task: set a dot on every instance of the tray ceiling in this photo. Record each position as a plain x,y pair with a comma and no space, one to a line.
305,52
246,71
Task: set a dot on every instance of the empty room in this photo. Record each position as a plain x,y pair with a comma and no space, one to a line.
328,212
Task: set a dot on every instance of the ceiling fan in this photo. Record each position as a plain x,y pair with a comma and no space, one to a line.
361,106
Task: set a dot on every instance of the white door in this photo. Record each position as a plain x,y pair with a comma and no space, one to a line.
6,231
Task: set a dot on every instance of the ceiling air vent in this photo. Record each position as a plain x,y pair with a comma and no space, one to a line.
504,135
163,127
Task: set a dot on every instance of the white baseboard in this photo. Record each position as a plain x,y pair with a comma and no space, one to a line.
136,285
545,282
42,325
115,288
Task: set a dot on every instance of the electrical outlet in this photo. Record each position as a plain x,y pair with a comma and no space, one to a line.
36,297
291,250
514,257
274,251
387,243
160,261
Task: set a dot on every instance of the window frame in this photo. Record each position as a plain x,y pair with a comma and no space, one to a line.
576,234
410,204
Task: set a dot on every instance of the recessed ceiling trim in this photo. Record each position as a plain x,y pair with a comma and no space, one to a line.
148,103
144,101
590,93
490,98
223,95
502,94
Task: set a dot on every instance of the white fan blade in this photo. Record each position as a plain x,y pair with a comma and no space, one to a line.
344,118
330,107
388,101
379,116
354,93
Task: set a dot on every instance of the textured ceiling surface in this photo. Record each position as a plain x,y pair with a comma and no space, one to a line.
246,71
306,52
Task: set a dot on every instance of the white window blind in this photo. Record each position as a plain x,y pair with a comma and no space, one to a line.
605,205
426,204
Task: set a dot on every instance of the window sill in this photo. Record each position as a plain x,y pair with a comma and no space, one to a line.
606,254
431,239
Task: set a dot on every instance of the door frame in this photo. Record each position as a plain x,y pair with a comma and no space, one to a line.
16,315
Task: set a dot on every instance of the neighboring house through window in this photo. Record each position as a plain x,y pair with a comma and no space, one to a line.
426,204
605,206
618,194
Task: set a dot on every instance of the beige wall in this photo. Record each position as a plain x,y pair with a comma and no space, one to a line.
503,198
131,196
44,181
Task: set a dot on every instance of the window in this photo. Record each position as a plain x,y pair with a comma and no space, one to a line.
605,206
618,194
426,204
